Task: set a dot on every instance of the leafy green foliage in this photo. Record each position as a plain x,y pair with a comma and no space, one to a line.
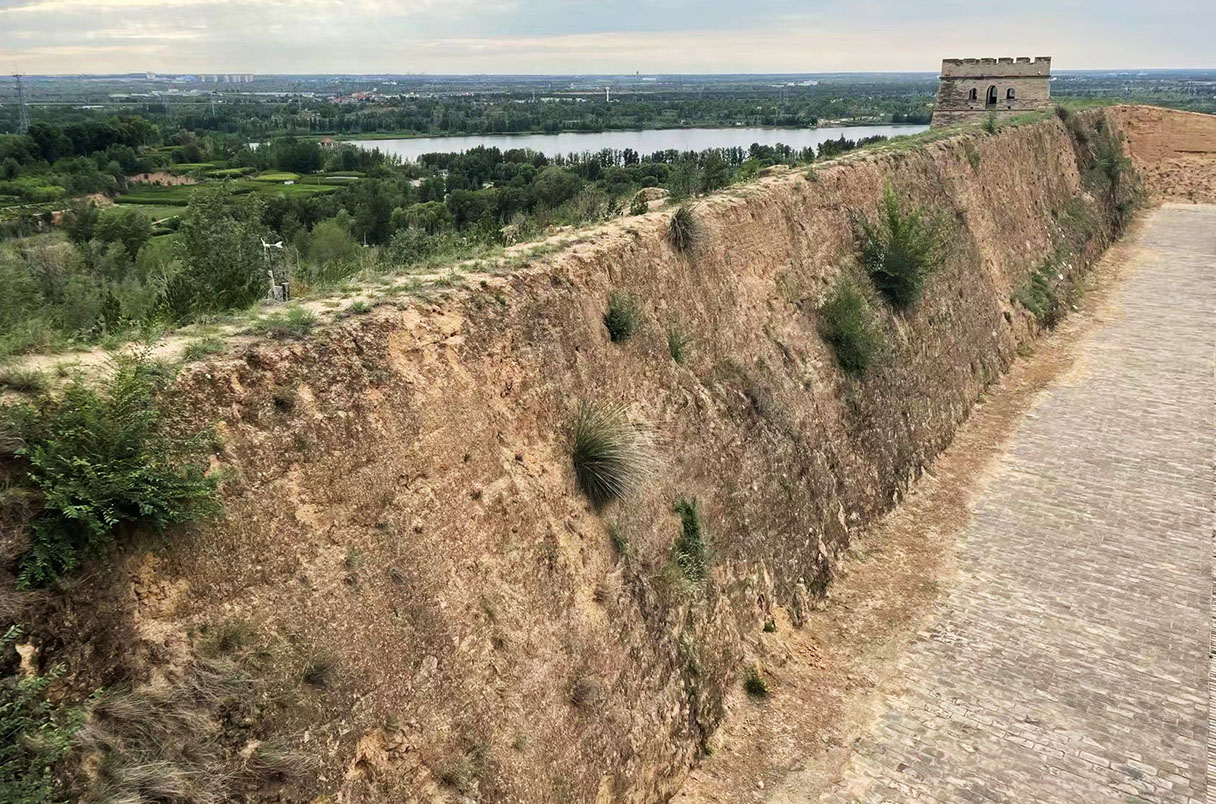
1111,160
1041,294
35,735
990,125
691,549
639,205
103,458
900,249
848,323
220,250
612,457
684,230
624,316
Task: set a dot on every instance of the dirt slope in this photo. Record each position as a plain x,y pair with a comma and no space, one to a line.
400,496
1175,152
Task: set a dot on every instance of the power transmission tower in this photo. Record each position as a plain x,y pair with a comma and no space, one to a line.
23,114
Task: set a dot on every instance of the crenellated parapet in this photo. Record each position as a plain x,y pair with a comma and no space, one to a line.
1021,67
972,89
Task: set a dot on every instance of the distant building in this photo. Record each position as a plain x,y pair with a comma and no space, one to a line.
973,89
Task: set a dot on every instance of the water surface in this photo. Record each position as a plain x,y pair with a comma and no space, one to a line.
644,142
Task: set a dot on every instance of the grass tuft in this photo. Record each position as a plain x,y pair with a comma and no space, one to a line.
321,670
201,349
754,683
691,549
612,457
295,323
678,342
624,316
684,231
23,380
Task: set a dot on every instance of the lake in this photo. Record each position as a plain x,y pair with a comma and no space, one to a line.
643,142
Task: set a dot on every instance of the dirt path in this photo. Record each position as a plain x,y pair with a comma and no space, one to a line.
831,674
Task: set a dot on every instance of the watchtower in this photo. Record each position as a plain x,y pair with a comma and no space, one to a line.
972,89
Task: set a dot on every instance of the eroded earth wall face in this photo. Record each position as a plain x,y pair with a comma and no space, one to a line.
411,509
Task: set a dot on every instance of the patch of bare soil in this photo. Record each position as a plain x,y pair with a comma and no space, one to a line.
826,678
1175,152
162,178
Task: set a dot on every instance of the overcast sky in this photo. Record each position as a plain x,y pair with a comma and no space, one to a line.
610,36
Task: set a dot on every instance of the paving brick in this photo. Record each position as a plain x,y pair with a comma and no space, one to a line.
1070,660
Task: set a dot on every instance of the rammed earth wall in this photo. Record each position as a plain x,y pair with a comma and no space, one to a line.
413,511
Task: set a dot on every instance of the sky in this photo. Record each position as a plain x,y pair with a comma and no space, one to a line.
609,36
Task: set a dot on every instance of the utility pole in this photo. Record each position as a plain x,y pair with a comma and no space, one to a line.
23,113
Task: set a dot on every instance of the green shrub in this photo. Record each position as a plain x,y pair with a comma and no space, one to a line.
611,456
847,322
899,250
624,316
35,735
639,205
990,124
1111,161
296,322
684,231
691,549
678,342
103,458
754,684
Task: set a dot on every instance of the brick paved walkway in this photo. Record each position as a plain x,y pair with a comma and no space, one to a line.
1070,661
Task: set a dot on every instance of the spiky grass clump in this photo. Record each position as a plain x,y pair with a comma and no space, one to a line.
847,322
624,316
900,249
22,380
684,231
612,456
692,545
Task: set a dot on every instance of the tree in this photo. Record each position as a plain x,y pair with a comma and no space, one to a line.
715,173
130,227
331,241
554,186
80,222
221,252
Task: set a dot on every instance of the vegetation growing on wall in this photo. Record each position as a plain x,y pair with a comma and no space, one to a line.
850,326
900,248
611,455
101,458
35,732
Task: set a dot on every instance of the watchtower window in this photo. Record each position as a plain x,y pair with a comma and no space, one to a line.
1009,94
973,94
991,100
